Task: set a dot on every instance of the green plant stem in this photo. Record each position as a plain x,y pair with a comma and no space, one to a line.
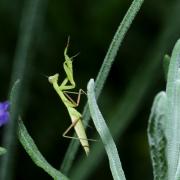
102,75
30,18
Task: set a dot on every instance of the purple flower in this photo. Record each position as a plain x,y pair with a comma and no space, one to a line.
4,112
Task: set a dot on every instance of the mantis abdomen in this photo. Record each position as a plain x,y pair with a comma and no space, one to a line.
79,128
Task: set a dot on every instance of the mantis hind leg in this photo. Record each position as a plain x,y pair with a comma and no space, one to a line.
70,137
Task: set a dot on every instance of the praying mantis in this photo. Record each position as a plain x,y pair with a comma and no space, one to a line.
62,91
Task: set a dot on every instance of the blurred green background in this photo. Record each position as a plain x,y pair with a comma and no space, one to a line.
91,26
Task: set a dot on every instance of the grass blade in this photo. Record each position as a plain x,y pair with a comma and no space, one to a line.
110,147
32,150
102,75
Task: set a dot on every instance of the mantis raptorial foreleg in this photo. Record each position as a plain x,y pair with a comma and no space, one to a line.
78,98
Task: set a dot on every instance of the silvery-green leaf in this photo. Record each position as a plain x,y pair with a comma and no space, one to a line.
108,142
173,112
166,62
157,138
32,150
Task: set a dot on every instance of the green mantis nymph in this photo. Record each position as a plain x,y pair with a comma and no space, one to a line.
71,105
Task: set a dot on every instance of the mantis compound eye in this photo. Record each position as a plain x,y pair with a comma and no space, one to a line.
53,78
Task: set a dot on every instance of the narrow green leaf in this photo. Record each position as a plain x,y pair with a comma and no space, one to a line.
103,73
110,147
156,137
2,151
32,150
115,44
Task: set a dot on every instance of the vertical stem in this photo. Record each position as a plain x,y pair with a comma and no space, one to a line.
32,11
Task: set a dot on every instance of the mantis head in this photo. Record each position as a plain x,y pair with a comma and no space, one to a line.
54,78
